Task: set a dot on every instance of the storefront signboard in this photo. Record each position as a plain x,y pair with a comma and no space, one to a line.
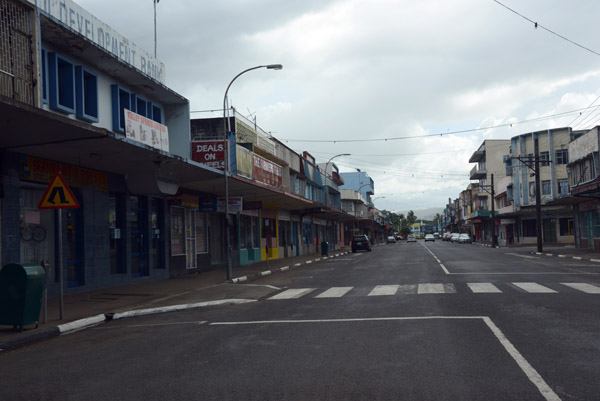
43,171
209,153
146,131
266,171
235,204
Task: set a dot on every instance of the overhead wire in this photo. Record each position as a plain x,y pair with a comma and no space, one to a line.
538,25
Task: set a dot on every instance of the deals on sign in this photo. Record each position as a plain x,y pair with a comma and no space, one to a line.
58,195
209,153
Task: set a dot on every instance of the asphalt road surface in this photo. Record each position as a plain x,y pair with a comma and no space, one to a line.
435,321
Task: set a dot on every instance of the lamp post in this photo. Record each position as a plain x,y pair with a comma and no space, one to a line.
226,158
155,2
326,168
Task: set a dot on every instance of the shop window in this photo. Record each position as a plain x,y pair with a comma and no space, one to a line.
121,100
529,228
61,83
566,226
177,231
86,94
201,233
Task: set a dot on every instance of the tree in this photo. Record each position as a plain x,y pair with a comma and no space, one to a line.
411,218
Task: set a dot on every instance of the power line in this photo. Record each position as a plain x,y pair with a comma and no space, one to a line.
537,25
431,135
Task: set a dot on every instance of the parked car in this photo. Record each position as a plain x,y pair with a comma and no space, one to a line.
454,237
399,237
464,239
411,238
360,242
429,237
446,236
391,239
436,235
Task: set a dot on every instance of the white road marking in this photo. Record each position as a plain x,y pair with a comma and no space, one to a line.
535,288
292,293
521,256
429,288
384,290
480,288
584,287
525,366
334,292
198,322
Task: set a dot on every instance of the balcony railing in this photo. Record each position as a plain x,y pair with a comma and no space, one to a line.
477,173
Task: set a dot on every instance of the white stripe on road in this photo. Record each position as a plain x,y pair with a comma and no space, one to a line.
584,287
292,293
480,288
334,292
429,288
534,288
384,290
525,366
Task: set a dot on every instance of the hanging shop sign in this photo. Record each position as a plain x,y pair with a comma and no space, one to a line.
146,131
58,195
209,153
266,171
207,204
235,204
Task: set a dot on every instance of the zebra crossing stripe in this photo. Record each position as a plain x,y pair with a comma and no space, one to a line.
535,288
334,292
429,288
584,287
384,290
480,288
292,293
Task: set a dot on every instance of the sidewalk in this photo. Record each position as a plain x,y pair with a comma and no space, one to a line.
555,250
197,290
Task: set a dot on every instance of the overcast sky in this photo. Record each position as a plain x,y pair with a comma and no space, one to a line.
380,69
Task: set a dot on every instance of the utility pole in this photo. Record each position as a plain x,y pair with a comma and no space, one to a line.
494,242
538,196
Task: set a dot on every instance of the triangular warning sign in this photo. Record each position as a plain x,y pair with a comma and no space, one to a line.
58,195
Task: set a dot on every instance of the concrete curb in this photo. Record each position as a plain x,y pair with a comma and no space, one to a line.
82,324
284,268
564,256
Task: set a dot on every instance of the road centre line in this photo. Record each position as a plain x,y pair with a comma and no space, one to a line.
529,371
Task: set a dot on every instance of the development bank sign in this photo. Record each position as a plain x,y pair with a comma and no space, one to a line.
82,22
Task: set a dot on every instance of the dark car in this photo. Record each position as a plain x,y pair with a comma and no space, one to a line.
360,242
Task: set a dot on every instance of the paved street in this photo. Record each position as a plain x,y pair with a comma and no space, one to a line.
435,321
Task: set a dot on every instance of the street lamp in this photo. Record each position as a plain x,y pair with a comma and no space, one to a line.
226,167
326,168
379,197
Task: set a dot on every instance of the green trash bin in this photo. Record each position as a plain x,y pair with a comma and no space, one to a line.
21,289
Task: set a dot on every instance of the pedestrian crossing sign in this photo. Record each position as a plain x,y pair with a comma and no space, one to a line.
58,195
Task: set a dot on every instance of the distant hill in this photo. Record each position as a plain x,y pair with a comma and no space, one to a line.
425,214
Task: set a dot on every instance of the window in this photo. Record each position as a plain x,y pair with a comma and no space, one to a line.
532,190
546,187
156,112
562,156
44,76
61,77
563,187
566,226
139,105
544,158
177,231
121,100
86,94
201,233
529,228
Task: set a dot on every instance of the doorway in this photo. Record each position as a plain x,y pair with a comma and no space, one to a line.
138,217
